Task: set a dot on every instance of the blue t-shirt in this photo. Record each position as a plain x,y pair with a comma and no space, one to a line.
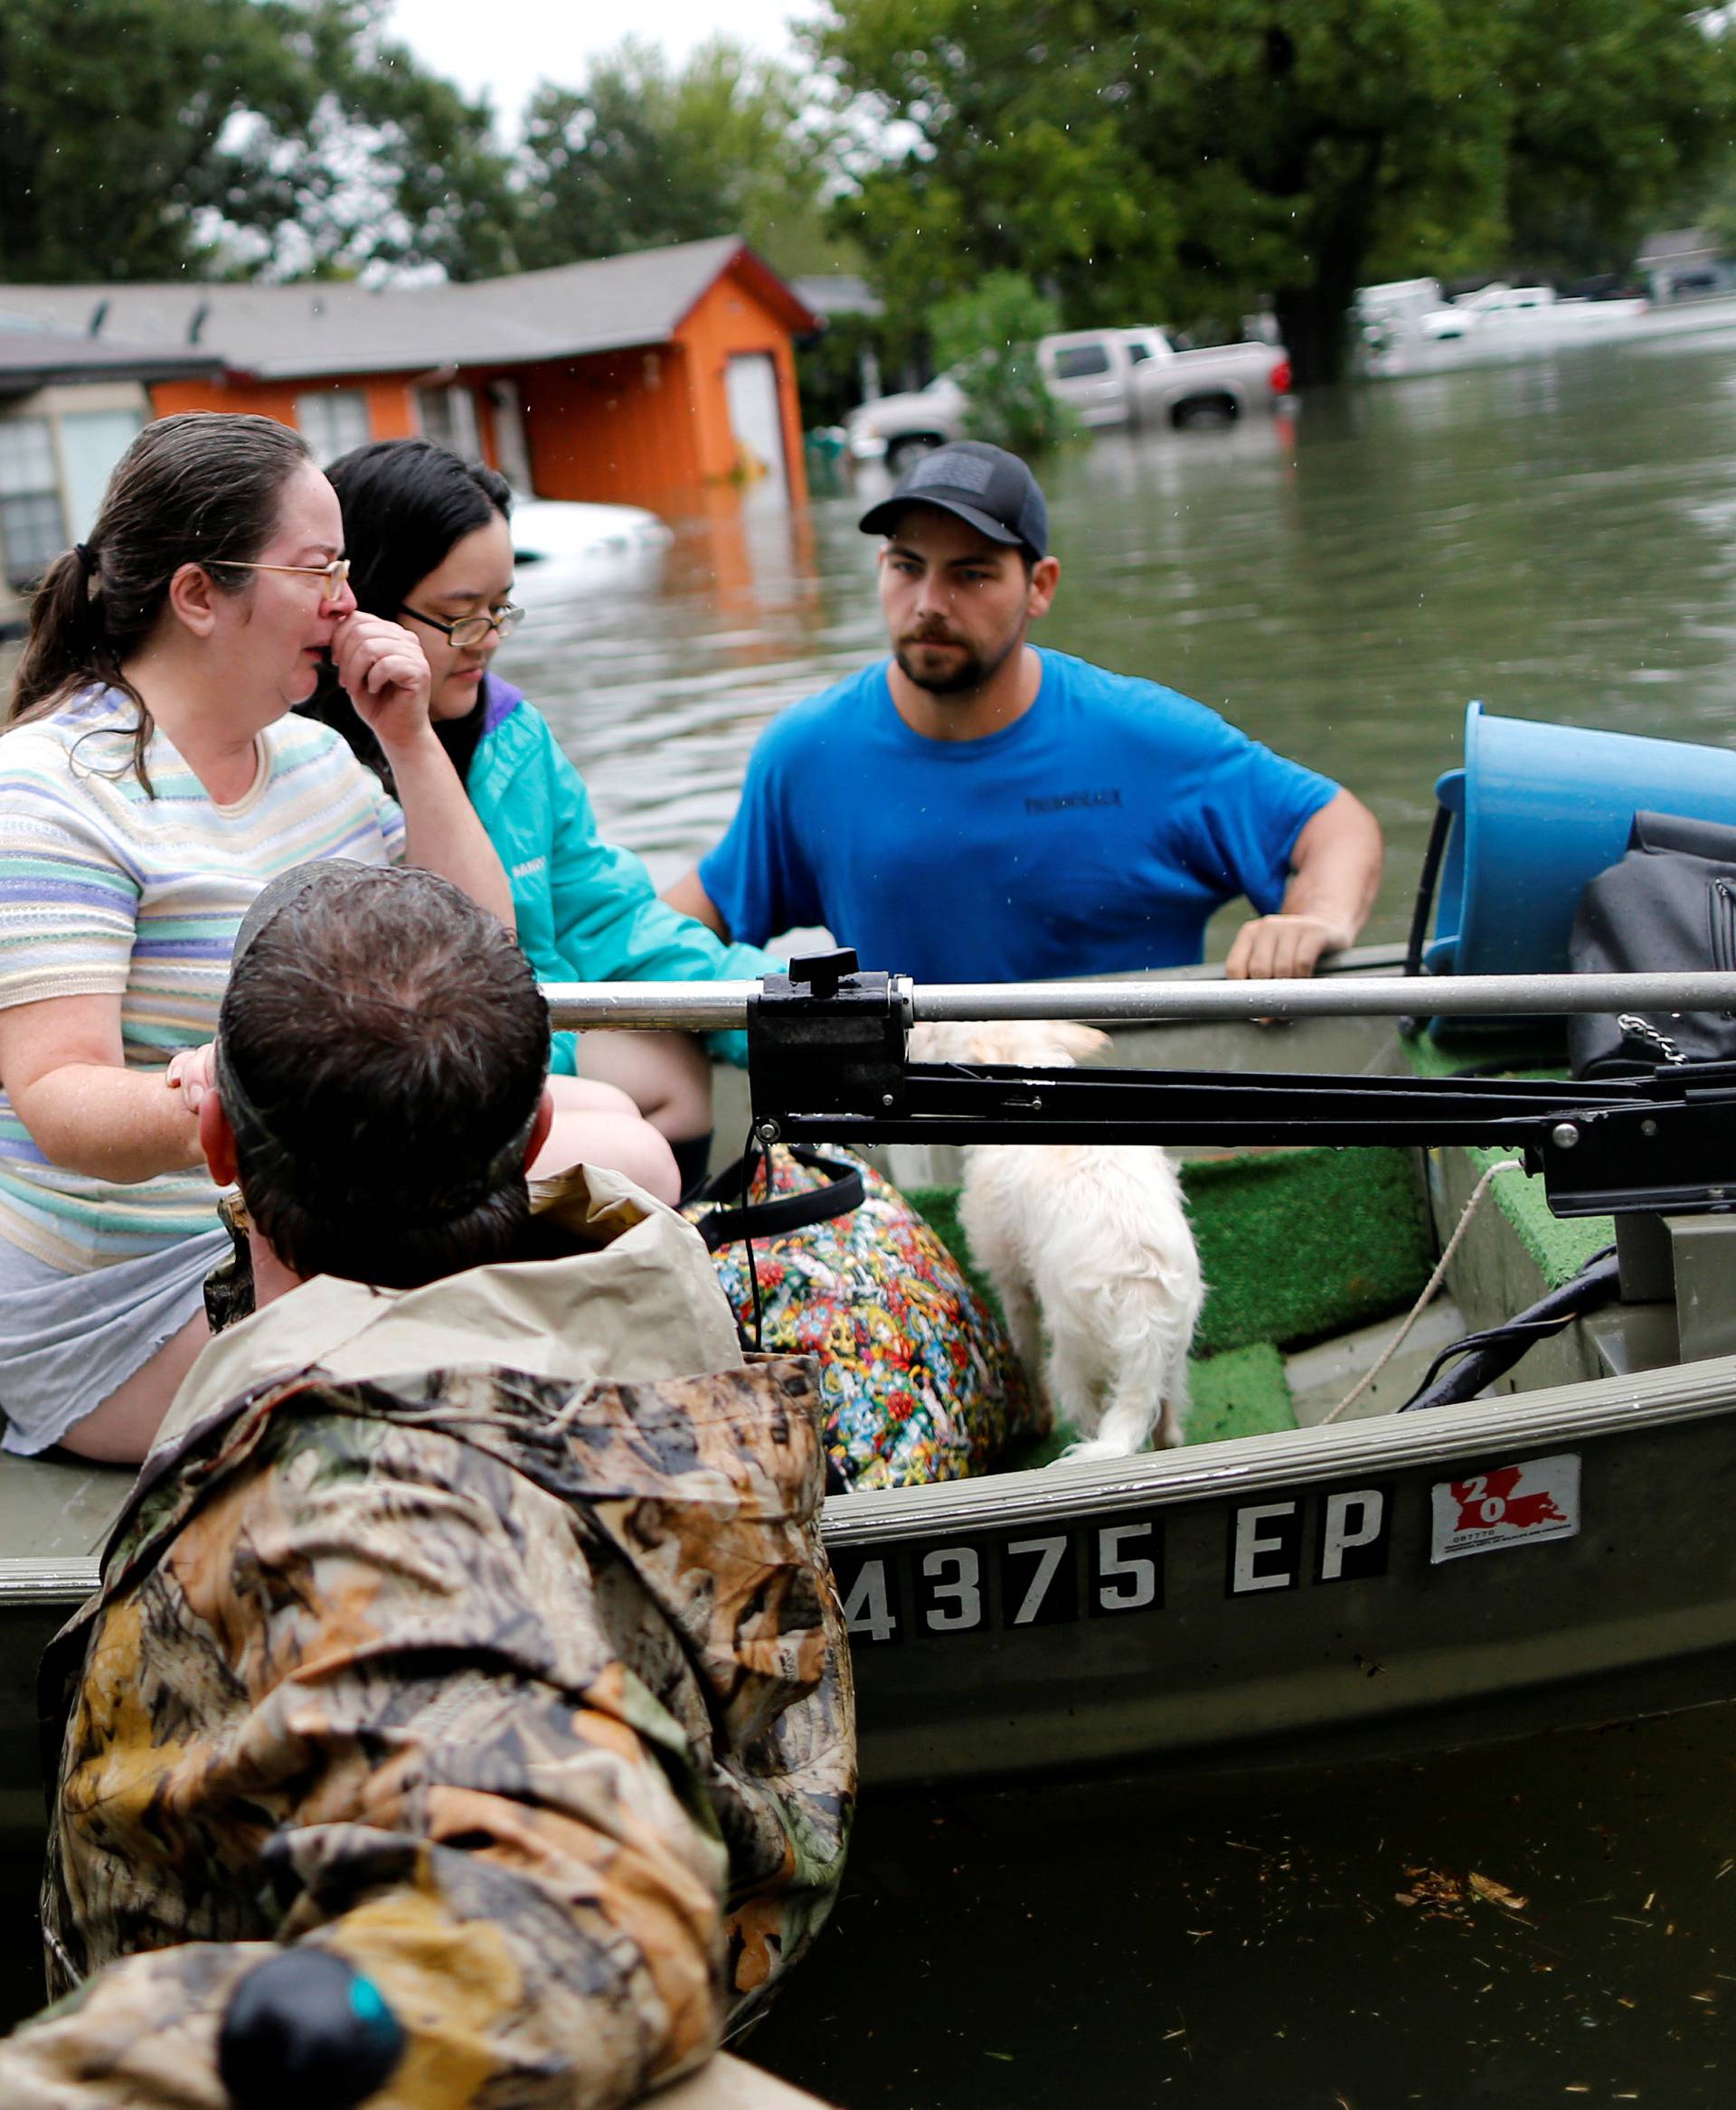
1097,833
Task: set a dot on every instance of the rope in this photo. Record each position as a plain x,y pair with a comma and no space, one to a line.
1505,1164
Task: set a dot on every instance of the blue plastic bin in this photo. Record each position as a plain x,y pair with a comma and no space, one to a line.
1538,810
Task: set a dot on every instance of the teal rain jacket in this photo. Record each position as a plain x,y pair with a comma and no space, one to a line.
587,910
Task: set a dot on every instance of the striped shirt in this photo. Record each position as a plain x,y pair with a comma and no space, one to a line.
106,890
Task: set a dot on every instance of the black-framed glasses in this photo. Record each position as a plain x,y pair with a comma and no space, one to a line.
472,629
336,574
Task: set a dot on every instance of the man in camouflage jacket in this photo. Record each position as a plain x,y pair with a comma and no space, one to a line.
475,1633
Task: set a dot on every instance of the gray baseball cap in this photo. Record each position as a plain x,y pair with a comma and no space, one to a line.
991,489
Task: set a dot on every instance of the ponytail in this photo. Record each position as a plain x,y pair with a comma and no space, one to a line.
67,648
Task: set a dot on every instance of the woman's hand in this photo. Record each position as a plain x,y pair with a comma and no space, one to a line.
385,672
192,1073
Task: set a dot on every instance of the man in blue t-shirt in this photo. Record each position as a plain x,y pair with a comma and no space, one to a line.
977,809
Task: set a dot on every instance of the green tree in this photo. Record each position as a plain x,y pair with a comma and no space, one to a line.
992,332
1195,156
644,154
140,138
1611,128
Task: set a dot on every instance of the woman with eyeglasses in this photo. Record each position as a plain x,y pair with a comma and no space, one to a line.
431,548
152,779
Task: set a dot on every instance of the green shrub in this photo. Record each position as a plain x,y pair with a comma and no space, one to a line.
991,333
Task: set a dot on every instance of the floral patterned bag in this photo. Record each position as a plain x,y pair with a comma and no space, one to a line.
918,1378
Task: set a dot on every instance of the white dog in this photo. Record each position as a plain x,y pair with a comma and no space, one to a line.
1092,1236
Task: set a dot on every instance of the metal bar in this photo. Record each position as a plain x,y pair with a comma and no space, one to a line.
996,1103
694,1007
722,1006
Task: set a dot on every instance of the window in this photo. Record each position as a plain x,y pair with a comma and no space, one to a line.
1138,349
449,418
92,443
512,449
333,422
1078,361
32,521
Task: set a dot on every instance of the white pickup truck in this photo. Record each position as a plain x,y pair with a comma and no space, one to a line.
1108,377
1526,313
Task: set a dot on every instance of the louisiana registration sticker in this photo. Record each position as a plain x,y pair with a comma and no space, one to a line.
1516,1505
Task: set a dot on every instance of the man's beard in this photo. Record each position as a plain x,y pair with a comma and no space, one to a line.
965,669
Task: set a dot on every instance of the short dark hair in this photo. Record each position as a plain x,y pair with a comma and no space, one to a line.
406,502
382,1049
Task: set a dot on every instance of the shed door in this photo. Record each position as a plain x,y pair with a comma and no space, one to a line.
755,417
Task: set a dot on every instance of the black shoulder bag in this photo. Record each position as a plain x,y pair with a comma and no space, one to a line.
1669,904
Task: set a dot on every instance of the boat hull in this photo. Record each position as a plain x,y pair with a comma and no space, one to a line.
1209,1601
1146,1642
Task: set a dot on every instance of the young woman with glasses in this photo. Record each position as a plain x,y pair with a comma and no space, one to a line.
152,779
428,538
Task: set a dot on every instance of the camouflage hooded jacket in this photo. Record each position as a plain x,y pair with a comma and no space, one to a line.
520,1686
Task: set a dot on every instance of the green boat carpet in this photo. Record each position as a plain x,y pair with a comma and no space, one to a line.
1294,1245
1243,1392
1299,1244
1561,1246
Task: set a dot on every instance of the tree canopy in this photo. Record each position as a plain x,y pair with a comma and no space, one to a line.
1138,160
1195,156
644,153
139,138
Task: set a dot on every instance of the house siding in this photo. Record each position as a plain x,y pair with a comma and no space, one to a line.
391,399
618,425
640,427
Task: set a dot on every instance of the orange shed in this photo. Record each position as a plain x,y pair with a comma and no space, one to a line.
632,379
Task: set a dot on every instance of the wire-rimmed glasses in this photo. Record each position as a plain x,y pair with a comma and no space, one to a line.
336,574
472,629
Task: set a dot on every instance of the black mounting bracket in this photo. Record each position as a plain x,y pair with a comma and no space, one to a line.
827,1063
828,1038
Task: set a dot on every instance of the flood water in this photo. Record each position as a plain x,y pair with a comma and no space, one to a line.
1557,538
1560,541
1308,1941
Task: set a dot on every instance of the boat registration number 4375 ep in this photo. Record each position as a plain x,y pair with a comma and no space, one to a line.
1111,1566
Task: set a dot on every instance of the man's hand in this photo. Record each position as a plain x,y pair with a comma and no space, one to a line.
1282,948
385,671
1335,871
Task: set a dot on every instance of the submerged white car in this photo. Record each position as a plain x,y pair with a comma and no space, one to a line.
551,530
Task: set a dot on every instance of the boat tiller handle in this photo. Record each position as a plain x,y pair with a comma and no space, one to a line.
306,2027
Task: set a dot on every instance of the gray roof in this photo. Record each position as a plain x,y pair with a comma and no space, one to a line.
33,357
838,293
1678,244
324,326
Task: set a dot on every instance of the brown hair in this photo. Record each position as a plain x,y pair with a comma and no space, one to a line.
382,1044
195,489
